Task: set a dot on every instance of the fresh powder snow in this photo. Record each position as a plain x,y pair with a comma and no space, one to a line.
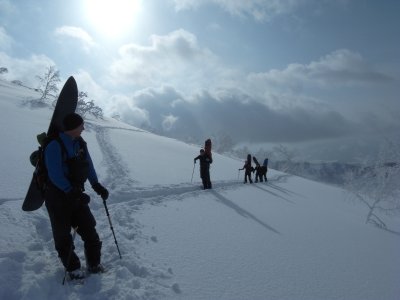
289,238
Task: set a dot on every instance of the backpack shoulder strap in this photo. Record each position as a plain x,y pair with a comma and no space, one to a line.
64,151
83,145
82,142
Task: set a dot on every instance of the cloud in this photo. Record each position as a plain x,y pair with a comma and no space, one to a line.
341,68
259,10
188,92
76,33
174,59
168,122
95,91
5,40
178,60
168,112
25,70
131,114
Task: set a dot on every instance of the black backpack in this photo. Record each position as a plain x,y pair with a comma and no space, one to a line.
40,176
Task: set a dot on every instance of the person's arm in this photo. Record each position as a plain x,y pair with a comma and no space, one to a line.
54,165
92,177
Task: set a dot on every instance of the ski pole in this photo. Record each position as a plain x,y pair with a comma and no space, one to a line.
238,175
194,165
112,228
70,253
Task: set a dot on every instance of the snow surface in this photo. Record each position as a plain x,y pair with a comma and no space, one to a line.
289,238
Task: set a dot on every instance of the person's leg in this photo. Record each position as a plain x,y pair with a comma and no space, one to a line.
203,180
208,180
86,223
59,210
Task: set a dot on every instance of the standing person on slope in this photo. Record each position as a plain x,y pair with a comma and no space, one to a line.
248,169
69,165
205,161
264,169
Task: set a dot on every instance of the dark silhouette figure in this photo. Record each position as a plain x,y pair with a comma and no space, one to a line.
258,169
248,169
205,161
264,169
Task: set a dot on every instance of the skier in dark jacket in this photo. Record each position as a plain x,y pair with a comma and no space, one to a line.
205,161
264,169
258,170
248,169
69,165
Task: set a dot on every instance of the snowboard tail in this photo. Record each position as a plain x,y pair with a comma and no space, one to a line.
255,161
66,104
207,147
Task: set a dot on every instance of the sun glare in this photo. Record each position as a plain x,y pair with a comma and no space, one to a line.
112,17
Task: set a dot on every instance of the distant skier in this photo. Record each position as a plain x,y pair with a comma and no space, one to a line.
258,170
205,161
69,165
264,169
248,169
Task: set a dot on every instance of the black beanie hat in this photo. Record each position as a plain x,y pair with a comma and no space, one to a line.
72,121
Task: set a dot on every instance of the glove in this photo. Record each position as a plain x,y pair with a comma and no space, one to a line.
100,190
194,161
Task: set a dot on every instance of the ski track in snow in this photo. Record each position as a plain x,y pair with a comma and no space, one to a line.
117,174
127,198
40,266
125,188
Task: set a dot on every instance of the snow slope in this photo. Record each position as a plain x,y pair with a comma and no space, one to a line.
289,238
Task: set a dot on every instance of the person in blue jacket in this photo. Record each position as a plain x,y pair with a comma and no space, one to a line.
69,165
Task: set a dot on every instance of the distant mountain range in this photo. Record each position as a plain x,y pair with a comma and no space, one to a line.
327,172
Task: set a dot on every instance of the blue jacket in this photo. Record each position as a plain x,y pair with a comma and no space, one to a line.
265,164
56,165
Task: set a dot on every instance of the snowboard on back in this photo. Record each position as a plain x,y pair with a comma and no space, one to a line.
207,147
66,104
255,161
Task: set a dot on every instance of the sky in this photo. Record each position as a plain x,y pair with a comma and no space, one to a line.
318,76
289,238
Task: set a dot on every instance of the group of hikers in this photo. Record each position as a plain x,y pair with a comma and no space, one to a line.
69,166
261,170
205,159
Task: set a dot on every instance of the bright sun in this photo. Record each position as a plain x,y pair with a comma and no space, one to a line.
112,17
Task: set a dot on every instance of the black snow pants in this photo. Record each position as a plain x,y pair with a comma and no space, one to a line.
65,215
247,174
205,177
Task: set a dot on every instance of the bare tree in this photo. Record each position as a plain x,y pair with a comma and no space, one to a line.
377,186
88,107
287,156
222,142
242,152
48,82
